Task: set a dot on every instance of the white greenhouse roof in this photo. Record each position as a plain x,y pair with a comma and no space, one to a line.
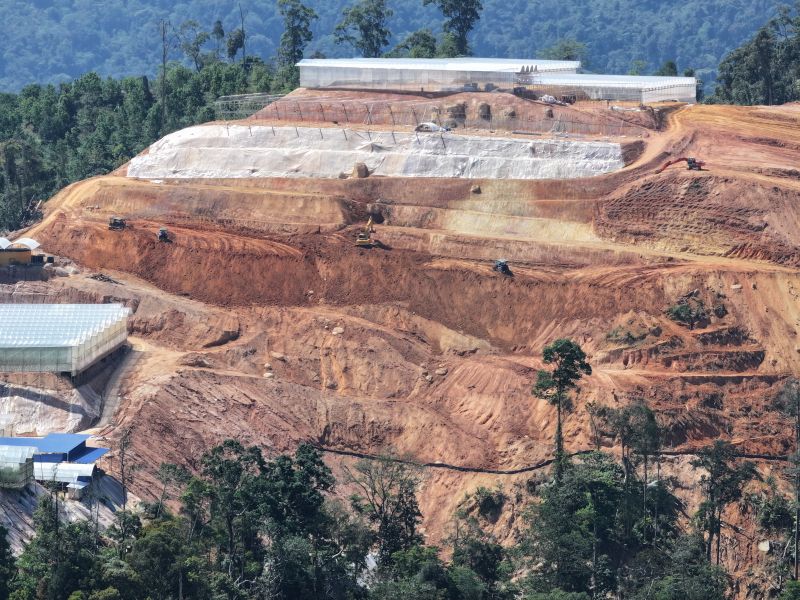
16,454
639,82
492,65
4,243
27,243
56,325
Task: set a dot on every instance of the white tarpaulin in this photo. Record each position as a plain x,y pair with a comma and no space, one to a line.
237,151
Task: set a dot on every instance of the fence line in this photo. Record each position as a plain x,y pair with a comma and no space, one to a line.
456,117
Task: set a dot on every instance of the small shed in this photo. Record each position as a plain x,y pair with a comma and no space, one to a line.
18,252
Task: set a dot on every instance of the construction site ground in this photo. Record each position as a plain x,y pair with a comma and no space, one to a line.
261,321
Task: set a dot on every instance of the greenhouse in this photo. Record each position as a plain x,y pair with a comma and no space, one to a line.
16,466
423,74
544,77
60,338
633,88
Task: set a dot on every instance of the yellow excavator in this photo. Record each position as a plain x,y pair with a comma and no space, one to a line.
364,237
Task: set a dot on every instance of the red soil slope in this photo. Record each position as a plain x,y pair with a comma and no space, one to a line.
235,323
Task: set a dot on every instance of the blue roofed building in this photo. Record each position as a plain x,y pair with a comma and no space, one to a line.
58,447
62,458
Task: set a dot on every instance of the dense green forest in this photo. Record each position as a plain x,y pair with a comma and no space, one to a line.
52,136
241,526
766,69
48,41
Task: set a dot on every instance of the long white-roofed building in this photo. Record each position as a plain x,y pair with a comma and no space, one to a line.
423,74
59,338
550,77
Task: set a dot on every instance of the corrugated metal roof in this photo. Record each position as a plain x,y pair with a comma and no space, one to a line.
52,442
513,65
92,455
56,325
62,472
61,442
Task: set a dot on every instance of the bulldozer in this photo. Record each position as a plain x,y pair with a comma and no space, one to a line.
116,224
163,235
501,266
692,164
364,237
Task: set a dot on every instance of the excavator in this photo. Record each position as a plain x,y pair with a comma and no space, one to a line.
116,224
364,237
692,164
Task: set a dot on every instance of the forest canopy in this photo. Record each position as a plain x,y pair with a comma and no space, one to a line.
50,42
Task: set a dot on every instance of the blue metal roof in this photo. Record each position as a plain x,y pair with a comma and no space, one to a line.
92,455
61,442
58,443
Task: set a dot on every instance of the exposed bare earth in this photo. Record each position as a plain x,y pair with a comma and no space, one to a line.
235,319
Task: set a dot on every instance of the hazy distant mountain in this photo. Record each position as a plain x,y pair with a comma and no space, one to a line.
53,40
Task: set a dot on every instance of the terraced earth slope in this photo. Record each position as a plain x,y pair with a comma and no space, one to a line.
262,321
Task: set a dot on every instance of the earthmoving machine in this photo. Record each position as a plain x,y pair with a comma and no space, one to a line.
364,237
692,164
116,224
501,266
163,235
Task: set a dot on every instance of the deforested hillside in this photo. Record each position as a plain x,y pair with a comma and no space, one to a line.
52,41
262,321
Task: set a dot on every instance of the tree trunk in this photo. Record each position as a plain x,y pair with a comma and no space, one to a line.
655,502
559,443
164,54
644,489
229,524
594,553
244,39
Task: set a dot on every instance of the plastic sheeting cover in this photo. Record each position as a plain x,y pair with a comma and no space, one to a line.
216,151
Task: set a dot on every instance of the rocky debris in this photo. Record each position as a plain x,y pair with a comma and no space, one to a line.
476,189
196,360
360,171
337,331
104,278
278,356
737,287
269,375
441,372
